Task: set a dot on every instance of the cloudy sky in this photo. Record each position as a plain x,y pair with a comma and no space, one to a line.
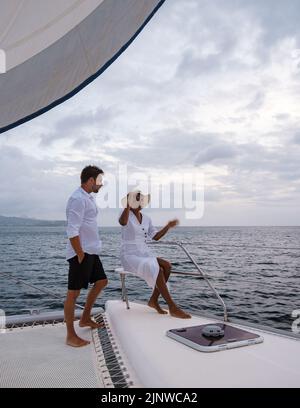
210,88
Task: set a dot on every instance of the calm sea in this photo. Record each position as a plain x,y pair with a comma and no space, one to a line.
255,269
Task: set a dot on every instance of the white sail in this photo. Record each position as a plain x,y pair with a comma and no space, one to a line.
51,49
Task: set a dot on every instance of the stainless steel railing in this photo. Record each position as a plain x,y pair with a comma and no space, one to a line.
39,289
201,273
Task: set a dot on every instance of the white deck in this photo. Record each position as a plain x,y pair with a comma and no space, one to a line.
159,361
38,357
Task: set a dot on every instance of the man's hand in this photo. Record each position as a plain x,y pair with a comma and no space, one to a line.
173,223
75,242
81,257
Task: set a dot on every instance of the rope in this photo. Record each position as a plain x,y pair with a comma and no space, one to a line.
110,364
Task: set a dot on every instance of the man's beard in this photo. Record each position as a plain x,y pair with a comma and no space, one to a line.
96,190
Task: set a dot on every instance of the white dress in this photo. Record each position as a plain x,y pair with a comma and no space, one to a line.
136,256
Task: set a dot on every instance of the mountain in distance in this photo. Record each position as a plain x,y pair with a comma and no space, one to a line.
22,221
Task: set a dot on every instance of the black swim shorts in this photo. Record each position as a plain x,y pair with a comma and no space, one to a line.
90,270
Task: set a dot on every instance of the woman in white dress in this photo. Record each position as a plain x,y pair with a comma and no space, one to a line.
138,258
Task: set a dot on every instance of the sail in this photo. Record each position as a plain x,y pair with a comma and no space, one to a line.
51,49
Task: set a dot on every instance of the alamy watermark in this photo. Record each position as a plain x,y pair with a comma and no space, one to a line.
296,322
168,190
2,321
2,61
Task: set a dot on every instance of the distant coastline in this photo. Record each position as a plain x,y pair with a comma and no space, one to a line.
19,221
26,221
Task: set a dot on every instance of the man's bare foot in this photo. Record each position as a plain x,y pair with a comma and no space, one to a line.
76,341
90,323
156,306
176,312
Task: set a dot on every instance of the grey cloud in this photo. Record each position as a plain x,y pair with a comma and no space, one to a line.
166,149
261,174
221,152
279,19
296,138
210,24
192,66
213,194
152,86
26,183
237,119
79,124
83,142
36,188
282,117
257,102
201,148
272,162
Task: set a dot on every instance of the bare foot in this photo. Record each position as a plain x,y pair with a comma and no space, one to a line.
156,306
176,312
76,341
90,323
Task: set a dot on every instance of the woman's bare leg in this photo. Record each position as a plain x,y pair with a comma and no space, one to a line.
163,289
153,301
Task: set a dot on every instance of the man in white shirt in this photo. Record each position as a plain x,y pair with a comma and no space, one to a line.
83,249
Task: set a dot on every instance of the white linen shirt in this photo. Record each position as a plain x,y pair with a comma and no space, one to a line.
81,215
135,236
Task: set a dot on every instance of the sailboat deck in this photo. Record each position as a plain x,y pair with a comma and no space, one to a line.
160,361
38,357
133,350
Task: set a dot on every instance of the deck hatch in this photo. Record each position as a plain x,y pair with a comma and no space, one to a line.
233,337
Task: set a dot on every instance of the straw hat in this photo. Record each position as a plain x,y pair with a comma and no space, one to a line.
136,199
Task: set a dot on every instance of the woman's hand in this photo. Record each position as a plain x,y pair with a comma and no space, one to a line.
173,223
125,214
128,205
164,230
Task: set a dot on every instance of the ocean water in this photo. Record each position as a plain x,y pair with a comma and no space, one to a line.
255,269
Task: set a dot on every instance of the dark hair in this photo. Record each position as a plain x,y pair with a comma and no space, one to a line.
90,171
